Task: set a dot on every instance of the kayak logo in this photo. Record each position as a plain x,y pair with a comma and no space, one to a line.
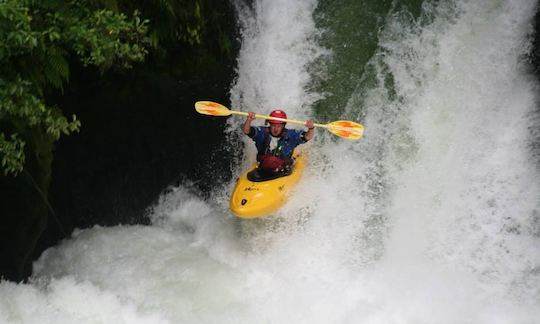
251,189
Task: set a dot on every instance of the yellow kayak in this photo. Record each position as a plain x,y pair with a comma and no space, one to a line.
254,197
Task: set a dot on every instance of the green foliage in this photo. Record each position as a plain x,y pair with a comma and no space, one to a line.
104,38
22,106
12,153
38,39
180,22
15,30
170,20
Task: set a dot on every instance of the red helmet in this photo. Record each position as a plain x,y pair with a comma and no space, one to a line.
279,114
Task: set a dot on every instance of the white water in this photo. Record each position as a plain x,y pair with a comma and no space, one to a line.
431,218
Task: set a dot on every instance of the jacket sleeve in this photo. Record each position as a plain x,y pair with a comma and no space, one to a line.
252,132
256,133
302,138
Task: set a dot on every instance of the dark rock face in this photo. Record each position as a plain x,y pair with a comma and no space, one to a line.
139,135
24,208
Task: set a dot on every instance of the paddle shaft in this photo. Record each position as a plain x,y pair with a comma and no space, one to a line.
299,122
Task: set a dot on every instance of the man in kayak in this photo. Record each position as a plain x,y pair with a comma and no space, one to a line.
275,143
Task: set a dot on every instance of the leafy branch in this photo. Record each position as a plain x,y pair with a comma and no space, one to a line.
37,40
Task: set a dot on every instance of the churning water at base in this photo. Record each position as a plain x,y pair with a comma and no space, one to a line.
433,217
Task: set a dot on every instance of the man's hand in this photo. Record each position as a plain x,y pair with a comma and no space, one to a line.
251,116
247,124
310,133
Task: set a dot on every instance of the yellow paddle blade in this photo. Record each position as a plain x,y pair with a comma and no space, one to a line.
211,108
346,129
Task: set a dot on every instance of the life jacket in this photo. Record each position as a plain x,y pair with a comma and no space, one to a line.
275,159
280,150
282,154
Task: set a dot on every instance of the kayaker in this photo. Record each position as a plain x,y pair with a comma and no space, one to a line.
275,143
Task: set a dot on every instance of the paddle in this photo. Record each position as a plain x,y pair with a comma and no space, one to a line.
341,128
